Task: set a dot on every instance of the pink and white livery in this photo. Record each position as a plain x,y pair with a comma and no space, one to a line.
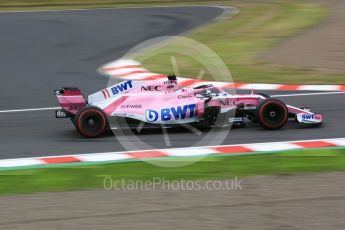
162,100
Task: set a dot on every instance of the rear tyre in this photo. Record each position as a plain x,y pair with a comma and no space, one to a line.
91,122
272,114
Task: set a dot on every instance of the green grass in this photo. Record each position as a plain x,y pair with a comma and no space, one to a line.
238,41
212,167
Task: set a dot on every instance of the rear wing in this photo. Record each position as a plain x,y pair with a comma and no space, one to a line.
70,99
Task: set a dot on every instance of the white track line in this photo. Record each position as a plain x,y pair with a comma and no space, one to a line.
110,8
282,95
306,94
27,110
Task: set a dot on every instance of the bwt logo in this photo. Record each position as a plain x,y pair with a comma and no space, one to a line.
151,115
121,87
308,116
316,117
178,112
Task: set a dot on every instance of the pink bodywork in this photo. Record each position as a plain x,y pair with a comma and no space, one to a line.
158,95
72,101
152,96
160,101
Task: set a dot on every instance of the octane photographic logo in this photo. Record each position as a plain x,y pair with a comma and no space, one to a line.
172,55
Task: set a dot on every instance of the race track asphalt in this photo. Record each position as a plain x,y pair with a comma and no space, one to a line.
40,52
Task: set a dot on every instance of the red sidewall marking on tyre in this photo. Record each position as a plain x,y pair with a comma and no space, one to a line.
276,103
87,111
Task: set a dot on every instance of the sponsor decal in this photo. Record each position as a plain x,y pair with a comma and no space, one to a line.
131,106
170,82
151,88
60,114
178,112
229,102
308,117
166,114
236,119
151,115
184,96
73,107
311,117
119,88
106,93
318,116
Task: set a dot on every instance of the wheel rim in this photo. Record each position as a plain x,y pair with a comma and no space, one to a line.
91,123
273,115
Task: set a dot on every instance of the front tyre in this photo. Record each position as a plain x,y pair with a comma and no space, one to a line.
91,122
272,114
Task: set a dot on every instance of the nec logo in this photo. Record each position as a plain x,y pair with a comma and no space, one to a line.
151,88
229,102
121,87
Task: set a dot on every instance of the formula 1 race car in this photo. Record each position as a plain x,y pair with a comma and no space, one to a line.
164,101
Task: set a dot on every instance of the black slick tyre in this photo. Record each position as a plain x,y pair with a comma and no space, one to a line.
272,114
91,122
